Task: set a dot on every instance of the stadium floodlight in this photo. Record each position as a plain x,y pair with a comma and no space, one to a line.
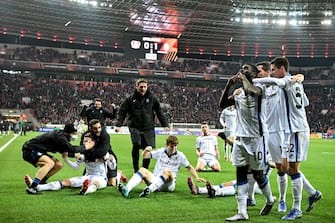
265,21
237,19
326,22
281,22
293,22
298,13
86,2
328,13
303,22
247,20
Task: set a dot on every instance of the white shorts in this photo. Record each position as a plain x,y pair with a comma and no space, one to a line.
249,151
208,159
275,143
78,181
167,187
298,146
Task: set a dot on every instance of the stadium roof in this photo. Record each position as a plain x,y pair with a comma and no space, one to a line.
236,27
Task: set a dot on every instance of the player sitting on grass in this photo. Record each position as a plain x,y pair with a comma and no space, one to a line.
163,178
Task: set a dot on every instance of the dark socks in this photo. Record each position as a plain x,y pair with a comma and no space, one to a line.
35,183
146,163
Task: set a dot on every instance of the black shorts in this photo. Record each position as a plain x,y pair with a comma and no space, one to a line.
143,138
111,173
33,155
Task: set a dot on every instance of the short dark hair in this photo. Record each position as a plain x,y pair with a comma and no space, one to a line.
69,128
172,140
266,65
98,99
281,61
93,122
204,123
141,80
88,134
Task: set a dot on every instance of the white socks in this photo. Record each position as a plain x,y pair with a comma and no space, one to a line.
282,186
296,191
55,185
307,185
242,193
134,181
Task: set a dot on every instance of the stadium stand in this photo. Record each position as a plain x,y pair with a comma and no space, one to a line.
57,97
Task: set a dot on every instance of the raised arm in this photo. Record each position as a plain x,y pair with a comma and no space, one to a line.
75,165
270,81
298,78
226,100
248,86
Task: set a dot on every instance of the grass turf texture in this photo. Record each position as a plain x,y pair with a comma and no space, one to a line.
108,205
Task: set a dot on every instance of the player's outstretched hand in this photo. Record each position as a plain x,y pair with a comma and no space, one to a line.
201,180
89,144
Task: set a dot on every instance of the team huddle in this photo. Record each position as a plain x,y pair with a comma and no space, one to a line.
267,128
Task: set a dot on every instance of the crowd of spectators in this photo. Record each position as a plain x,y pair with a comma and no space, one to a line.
105,59
321,109
59,101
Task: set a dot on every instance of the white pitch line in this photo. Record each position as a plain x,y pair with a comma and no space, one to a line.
9,142
332,153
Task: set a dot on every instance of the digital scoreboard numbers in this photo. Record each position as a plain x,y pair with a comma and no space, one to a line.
152,48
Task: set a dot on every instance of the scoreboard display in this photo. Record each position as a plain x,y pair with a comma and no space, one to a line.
151,47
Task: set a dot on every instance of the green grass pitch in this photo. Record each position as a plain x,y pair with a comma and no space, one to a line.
108,205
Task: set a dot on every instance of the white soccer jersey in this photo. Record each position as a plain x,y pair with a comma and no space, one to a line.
206,144
96,168
293,100
95,171
165,161
228,119
274,109
251,114
296,101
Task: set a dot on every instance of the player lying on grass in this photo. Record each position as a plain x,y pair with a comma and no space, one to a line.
164,176
223,189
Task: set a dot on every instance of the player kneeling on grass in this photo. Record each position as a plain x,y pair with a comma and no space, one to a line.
207,150
223,189
95,175
164,176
